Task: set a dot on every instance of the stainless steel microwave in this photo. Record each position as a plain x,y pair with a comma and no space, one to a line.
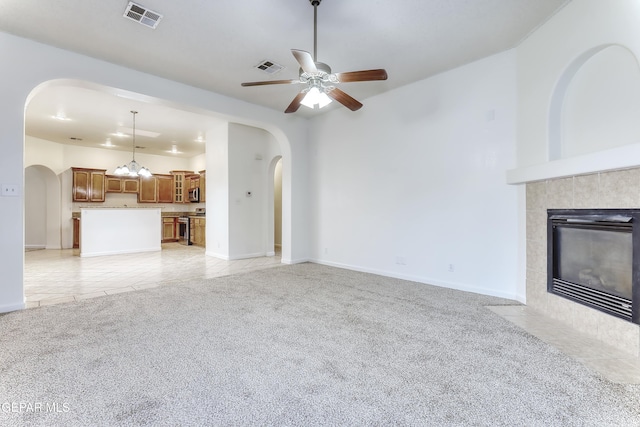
194,195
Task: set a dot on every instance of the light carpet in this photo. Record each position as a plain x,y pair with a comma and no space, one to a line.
298,345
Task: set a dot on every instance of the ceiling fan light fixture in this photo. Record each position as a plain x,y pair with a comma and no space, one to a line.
319,79
315,97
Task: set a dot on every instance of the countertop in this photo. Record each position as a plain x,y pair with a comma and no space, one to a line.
76,215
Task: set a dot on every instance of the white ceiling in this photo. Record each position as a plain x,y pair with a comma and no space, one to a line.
215,45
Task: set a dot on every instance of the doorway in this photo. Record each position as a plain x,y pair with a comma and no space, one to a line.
277,207
41,208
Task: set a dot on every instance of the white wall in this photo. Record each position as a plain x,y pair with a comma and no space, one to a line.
198,163
250,152
26,65
217,155
413,185
35,209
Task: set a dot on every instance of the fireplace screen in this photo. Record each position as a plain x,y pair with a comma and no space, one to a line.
599,259
591,259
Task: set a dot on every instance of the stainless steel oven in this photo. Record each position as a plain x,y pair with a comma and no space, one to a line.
184,235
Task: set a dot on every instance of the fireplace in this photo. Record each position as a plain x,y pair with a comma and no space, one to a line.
593,259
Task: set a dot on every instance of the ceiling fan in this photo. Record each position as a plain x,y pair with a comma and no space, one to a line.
319,80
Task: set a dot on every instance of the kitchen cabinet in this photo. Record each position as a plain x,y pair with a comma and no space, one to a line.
113,184
198,231
169,229
203,186
156,189
130,185
88,185
148,191
118,184
76,233
165,188
180,186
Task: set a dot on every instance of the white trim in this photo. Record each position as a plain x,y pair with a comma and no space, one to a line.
295,261
217,255
35,247
12,307
624,157
426,281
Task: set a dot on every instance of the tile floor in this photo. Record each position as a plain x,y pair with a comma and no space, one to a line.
611,363
57,276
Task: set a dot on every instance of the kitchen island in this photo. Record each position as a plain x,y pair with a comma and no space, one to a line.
109,231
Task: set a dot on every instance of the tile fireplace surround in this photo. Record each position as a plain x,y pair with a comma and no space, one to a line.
616,189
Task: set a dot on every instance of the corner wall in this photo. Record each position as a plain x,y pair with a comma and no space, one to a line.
412,185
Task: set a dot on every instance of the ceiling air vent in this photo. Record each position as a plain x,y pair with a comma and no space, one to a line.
140,14
269,67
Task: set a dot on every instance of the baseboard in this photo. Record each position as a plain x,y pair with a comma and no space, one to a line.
295,261
105,253
12,307
247,256
271,253
35,247
424,280
217,255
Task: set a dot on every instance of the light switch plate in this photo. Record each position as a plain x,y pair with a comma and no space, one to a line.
9,190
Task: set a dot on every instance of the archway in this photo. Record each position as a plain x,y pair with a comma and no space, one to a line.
56,193
274,206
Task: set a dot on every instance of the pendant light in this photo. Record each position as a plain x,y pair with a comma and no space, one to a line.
133,168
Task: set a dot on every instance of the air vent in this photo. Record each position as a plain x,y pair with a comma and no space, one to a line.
269,67
140,14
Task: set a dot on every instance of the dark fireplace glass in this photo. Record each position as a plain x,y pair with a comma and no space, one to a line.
599,259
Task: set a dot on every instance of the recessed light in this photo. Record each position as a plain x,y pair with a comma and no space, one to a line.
61,117
174,150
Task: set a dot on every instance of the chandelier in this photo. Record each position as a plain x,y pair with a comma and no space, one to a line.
133,168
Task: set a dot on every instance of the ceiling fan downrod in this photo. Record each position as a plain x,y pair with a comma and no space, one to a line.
315,4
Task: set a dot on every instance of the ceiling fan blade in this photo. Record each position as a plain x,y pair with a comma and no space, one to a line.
305,60
271,82
295,104
344,99
362,76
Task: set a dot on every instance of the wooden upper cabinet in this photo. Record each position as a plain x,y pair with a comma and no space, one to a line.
130,185
156,189
88,185
113,184
180,186
165,188
148,191
119,184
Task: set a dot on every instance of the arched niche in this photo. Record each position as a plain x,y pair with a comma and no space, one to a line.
42,208
596,103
